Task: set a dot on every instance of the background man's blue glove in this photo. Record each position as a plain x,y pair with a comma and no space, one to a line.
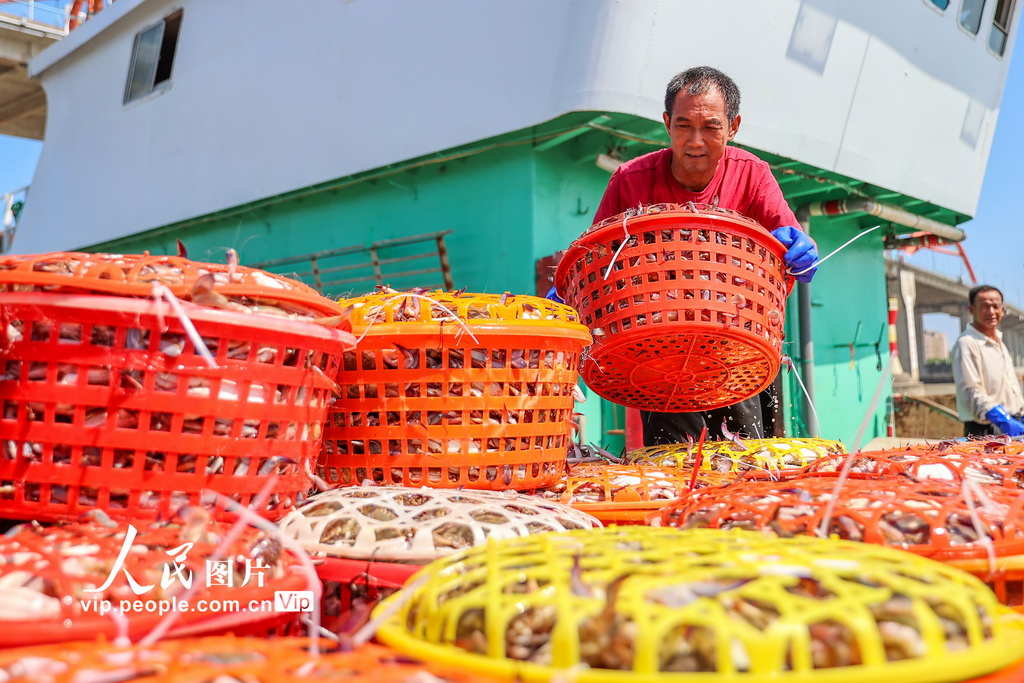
553,295
802,252
1007,424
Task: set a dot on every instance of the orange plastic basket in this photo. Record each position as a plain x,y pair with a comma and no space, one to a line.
223,658
932,519
629,494
45,572
106,404
455,390
984,468
135,275
687,316
1004,575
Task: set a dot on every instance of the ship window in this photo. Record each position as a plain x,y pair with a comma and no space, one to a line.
152,57
1000,26
941,4
970,15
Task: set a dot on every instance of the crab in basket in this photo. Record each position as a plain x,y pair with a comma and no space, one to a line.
661,604
739,455
369,540
96,578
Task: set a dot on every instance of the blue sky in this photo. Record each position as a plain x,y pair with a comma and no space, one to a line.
995,245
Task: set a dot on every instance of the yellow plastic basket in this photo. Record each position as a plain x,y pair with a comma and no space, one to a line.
662,605
766,455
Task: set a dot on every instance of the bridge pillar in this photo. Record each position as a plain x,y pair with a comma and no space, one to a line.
907,326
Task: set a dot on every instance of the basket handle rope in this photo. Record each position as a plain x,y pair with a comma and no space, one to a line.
970,490
161,291
230,537
427,298
625,239
305,564
826,520
835,251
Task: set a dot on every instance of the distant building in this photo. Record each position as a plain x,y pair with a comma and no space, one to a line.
936,346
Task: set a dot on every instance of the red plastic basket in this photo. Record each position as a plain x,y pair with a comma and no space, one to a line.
223,658
978,466
630,494
454,390
106,404
357,586
932,519
690,316
61,562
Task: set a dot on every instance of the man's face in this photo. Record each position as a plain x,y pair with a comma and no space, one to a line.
987,310
698,130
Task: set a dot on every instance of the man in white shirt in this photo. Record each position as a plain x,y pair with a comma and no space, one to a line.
989,400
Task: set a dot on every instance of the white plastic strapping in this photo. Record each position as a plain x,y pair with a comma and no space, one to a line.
407,524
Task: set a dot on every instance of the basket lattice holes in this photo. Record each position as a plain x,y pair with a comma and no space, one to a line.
687,313
656,604
107,404
455,390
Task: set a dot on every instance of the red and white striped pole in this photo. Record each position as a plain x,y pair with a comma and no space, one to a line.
894,310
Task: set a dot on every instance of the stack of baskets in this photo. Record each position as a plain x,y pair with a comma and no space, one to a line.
110,402
158,396
454,390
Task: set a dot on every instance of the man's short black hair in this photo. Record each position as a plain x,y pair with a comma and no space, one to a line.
983,288
699,80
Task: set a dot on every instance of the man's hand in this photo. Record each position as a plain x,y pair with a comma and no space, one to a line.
802,252
1002,419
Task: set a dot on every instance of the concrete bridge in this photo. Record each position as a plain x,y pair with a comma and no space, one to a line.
27,27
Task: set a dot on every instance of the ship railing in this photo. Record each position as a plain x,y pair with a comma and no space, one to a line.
52,13
11,205
402,262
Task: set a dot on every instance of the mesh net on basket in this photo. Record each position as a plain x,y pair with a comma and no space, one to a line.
657,604
764,455
370,540
60,583
987,469
417,525
220,285
222,659
628,494
935,519
108,403
455,390
686,304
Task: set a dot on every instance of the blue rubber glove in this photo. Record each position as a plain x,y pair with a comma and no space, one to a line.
1002,419
553,295
802,254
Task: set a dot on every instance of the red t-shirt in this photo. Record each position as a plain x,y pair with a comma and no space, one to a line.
742,183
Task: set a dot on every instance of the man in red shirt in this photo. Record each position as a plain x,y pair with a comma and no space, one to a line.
702,115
